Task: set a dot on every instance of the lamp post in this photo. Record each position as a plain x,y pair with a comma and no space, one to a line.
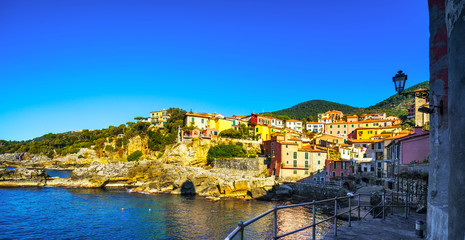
399,82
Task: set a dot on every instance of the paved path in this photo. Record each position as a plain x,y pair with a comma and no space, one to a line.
392,228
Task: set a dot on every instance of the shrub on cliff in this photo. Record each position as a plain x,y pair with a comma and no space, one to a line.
225,151
231,133
136,155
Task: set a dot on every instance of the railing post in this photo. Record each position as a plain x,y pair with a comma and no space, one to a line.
392,203
241,231
350,212
335,216
275,222
406,202
384,204
359,207
314,227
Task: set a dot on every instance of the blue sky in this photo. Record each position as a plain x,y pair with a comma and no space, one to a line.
77,64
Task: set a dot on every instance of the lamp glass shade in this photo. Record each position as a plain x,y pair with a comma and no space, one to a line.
399,81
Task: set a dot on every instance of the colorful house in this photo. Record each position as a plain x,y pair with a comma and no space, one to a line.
333,115
294,125
338,169
197,120
315,127
220,124
370,132
159,118
374,116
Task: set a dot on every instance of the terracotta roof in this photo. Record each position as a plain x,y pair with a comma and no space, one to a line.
314,123
360,140
295,139
310,150
198,115
362,128
289,143
293,120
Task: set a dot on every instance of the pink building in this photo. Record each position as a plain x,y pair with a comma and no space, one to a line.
414,148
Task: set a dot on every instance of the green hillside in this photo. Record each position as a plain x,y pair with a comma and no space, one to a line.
396,105
310,109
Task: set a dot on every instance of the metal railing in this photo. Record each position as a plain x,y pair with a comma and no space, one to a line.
337,200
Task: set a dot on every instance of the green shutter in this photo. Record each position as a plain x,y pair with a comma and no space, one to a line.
295,155
295,163
306,155
306,164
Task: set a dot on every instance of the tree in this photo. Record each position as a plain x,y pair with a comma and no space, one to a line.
231,133
136,155
139,118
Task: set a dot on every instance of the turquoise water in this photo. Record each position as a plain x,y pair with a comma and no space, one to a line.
66,213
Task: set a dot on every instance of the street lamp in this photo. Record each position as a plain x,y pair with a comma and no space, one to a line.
399,82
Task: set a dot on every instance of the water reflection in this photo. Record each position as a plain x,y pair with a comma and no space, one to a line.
100,214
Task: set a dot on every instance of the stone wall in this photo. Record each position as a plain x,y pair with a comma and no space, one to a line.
243,164
316,192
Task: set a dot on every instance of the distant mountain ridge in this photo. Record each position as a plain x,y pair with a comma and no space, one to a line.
396,105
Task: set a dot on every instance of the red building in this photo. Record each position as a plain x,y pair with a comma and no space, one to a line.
338,168
257,119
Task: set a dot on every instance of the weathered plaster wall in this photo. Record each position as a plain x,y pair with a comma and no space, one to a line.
455,21
437,218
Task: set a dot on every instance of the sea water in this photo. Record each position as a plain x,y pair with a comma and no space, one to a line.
67,213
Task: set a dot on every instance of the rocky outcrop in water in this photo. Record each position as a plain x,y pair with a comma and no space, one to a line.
22,177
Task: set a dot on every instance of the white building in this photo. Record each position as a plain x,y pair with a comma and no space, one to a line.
294,125
315,127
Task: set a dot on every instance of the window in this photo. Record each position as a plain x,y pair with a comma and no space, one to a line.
192,119
306,164
295,171
366,125
330,126
343,165
338,126
342,174
286,147
306,155
318,162
379,165
216,134
318,154
385,124
334,174
345,132
338,132
295,155
335,165
344,126
202,120
352,125
287,154
295,163
256,129
330,132
379,145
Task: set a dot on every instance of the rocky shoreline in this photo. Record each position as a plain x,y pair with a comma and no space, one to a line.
149,176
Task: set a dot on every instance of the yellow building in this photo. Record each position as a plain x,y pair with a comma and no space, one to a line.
366,133
220,124
197,120
159,118
262,132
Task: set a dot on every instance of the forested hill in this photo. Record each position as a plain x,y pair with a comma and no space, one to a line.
310,109
395,105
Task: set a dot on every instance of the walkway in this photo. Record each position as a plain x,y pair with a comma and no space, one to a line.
392,228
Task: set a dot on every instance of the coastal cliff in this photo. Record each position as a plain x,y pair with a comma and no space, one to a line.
182,169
